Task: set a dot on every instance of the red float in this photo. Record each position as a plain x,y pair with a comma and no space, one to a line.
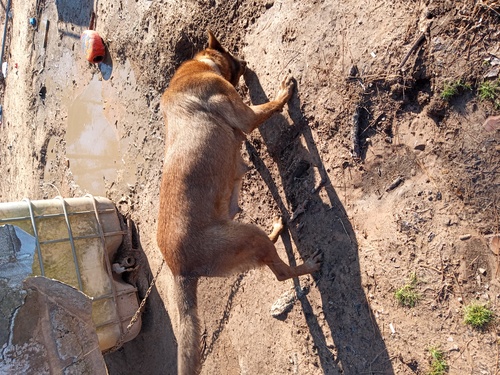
93,46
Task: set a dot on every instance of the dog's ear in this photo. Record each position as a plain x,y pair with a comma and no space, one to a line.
213,43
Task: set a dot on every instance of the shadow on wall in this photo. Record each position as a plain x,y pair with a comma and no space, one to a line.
358,344
154,350
75,12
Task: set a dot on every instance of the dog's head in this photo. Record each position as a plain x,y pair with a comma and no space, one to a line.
230,67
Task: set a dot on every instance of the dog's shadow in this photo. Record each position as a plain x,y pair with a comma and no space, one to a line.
358,346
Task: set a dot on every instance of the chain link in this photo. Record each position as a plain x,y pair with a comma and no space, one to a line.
134,319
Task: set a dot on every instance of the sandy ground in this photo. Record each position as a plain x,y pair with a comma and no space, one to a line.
70,128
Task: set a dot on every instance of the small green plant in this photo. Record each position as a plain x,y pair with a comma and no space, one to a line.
406,295
438,363
478,316
452,89
490,90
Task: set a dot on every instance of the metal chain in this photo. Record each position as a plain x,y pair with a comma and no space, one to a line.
137,313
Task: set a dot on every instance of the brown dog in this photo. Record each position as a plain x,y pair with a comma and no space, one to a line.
206,121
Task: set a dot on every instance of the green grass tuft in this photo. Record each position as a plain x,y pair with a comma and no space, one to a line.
438,364
490,90
477,316
452,89
406,295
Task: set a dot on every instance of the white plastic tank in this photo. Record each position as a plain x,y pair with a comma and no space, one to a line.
76,239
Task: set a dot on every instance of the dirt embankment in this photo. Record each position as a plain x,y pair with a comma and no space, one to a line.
348,58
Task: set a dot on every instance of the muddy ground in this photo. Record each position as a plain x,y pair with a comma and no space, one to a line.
69,128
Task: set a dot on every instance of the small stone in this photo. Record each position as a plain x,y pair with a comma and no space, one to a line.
283,304
465,237
482,271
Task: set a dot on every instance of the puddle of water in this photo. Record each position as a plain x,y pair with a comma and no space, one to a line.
92,144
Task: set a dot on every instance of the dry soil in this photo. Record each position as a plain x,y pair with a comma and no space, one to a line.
416,195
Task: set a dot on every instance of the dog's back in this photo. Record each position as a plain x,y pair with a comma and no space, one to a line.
202,161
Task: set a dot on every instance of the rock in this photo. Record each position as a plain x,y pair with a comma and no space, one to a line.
394,184
53,332
438,44
285,303
492,72
492,123
45,325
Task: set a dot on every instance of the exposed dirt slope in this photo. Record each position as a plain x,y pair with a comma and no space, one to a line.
347,58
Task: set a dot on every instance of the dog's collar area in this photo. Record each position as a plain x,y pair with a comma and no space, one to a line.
211,64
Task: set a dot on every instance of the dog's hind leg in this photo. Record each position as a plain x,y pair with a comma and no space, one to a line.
283,271
279,268
237,247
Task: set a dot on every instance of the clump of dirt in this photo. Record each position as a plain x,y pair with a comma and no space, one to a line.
369,162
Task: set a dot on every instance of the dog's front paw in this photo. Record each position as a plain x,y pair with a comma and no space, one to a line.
277,228
314,262
286,90
277,224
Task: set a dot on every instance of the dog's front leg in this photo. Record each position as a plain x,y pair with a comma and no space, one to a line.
257,114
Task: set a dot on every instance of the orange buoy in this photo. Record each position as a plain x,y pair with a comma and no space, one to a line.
93,46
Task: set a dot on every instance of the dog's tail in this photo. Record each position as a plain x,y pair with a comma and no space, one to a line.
189,340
